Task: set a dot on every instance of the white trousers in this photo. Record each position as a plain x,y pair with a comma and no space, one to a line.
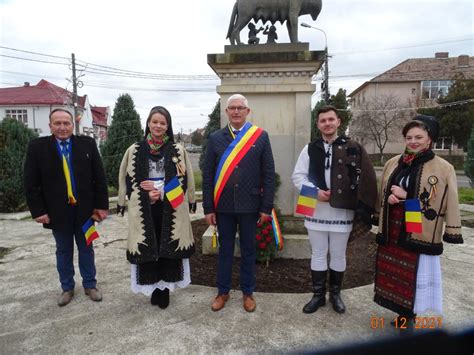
323,242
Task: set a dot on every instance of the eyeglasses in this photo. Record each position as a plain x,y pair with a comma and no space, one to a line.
238,108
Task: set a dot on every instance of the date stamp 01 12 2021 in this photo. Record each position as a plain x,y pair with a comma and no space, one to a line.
402,322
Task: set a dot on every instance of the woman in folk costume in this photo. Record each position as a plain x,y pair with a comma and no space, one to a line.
157,178
418,193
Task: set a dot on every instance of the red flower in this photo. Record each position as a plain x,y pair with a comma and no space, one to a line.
262,245
268,239
259,224
258,237
269,227
265,232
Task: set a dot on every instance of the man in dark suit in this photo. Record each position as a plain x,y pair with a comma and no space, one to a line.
241,199
65,186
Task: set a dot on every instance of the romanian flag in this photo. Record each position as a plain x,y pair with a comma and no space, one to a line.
413,221
307,201
277,231
89,231
233,155
174,192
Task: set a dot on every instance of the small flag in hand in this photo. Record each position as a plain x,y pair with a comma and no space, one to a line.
174,192
413,221
277,231
89,231
307,200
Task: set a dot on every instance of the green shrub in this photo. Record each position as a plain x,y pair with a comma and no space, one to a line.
14,139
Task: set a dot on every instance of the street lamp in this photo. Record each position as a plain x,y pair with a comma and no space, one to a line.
326,60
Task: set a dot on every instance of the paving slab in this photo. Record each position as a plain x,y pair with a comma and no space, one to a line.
124,322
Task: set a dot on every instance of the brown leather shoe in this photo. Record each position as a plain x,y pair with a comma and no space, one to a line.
219,302
94,294
65,298
249,303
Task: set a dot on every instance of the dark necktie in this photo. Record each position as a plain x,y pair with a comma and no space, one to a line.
328,157
236,132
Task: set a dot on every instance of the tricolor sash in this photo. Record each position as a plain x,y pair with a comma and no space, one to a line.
65,154
233,155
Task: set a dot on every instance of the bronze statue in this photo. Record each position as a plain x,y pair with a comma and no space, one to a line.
271,10
271,33
253,31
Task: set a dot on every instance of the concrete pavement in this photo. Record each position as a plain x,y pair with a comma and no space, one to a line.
31,322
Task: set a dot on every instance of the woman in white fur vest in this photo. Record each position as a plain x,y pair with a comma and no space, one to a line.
160,239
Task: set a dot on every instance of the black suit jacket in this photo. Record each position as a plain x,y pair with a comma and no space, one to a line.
45,184
251,186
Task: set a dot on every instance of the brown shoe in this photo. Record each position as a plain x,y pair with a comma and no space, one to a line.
249,303
94,294
65,298
219,302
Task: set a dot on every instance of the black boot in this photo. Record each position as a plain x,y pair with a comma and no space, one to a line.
319,289
335,283
161,298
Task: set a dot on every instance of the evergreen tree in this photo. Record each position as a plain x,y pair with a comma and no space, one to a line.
340,101
469,163
124,130
14,139
196,138
212,125
457,120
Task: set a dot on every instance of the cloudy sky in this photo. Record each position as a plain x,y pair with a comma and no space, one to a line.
165,44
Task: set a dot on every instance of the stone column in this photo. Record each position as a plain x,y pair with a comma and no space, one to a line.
276,79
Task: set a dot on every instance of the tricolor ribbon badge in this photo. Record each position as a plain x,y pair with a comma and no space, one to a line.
307,201
413,221
174,192
89,231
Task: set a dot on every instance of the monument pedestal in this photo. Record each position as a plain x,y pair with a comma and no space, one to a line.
276,80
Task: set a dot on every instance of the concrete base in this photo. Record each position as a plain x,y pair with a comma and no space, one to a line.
296,246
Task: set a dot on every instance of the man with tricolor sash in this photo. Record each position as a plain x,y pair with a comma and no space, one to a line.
65,189
238,187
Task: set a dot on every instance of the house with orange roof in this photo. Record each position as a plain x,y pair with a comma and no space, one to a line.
31,105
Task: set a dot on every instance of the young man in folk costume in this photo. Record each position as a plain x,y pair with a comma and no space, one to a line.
338,170
238,187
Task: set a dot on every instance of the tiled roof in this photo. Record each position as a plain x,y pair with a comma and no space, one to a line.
419,69
43,93
99,115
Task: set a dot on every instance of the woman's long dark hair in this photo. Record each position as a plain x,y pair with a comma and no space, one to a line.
164,112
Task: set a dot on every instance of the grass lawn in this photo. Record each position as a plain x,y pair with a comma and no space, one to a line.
466,195
198,181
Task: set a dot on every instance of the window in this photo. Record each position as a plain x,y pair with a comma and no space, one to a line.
19,115
444,143
434,89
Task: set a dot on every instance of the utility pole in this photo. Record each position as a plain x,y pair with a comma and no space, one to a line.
74,93
326,76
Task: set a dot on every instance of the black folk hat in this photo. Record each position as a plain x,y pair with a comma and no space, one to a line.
431,124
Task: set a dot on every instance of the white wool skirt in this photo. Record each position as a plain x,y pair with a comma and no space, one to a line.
147,290
429,290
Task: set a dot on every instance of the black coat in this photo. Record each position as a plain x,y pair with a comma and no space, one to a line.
45,184
251,186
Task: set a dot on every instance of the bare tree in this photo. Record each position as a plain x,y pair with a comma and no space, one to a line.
379,120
